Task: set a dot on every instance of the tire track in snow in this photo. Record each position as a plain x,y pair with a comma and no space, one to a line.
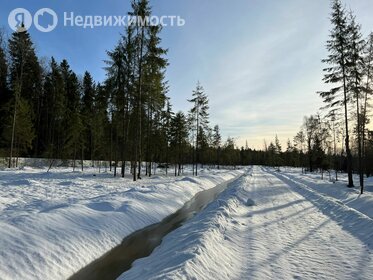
292,238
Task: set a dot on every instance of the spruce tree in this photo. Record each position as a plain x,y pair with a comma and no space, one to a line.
278,145
73,125
217,144
22,133
278,151
178,139
116,72
299,140
3,70
87,111
25,83
167,127
318,154
229,152
55,98
100,120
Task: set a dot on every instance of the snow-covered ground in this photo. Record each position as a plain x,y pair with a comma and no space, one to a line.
337,190
52,224
267,225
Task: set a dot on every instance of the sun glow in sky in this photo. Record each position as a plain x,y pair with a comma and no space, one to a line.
259,61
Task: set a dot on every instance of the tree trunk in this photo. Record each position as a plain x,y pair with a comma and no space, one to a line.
361,174
74,160
140,101
347,140
13,133
111,144
82,155
364,123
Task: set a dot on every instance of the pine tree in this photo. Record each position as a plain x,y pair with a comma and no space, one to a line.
154,87
141,10
167,127
337,73
335,129
138,91
368,90
355,75
128,75
198,118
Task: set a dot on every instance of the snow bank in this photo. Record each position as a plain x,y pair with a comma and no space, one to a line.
53,224
204,248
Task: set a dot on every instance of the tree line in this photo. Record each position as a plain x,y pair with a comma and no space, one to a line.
47,110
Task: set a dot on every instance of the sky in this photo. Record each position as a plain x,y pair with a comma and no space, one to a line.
258,61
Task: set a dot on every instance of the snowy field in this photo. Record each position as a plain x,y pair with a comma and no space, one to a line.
266,225
52,224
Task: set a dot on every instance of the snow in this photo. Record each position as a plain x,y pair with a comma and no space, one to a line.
267,225
349,196
53,224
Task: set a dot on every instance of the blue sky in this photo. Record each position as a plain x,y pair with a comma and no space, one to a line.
259,61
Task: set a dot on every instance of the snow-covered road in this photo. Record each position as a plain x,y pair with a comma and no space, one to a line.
266,226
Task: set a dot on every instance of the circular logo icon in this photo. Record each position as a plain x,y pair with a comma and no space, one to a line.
20,20
45,20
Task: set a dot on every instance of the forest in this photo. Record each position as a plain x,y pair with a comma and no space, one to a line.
48,111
